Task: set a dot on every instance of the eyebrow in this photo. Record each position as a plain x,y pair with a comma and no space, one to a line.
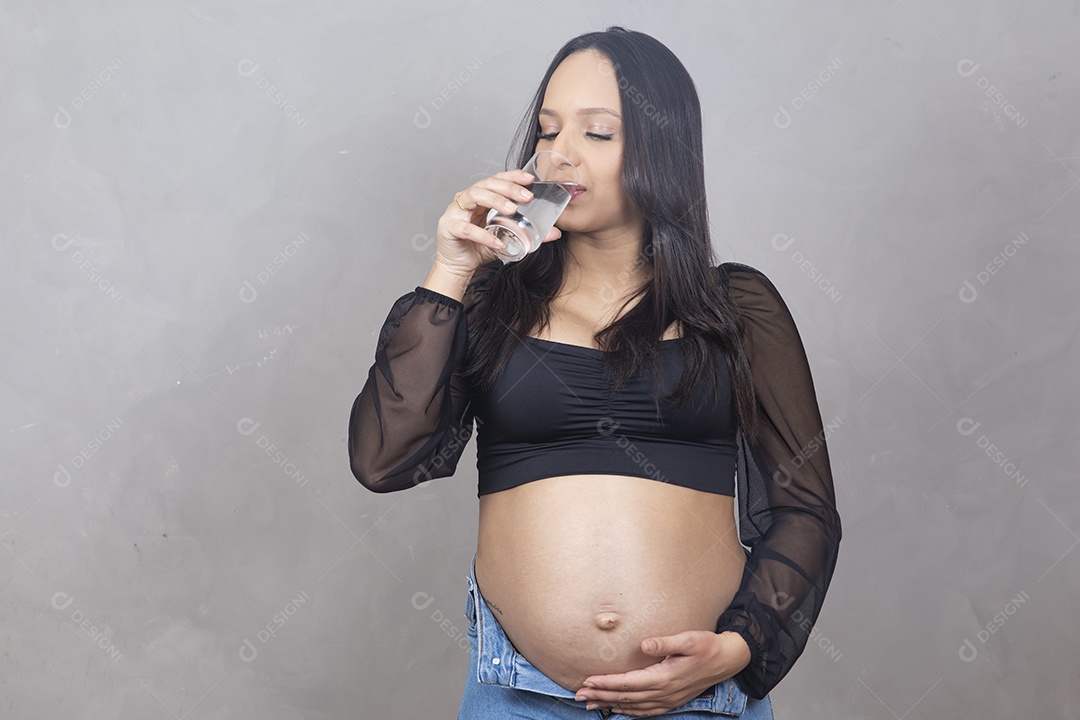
584,111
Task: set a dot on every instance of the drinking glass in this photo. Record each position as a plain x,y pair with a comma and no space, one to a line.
524,231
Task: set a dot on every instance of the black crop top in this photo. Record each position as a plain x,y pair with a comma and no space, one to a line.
415,414
551,412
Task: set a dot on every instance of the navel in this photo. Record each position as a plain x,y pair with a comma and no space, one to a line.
607,620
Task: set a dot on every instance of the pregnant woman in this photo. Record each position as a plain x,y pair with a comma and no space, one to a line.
625,389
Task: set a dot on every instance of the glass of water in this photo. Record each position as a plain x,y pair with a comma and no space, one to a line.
524,231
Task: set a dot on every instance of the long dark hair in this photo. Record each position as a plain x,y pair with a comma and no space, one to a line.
663,174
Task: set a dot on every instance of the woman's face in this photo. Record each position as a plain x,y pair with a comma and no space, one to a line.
581,118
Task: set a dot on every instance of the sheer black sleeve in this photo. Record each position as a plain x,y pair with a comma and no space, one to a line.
787,505
413,417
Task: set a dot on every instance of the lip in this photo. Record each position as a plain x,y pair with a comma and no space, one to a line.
577,191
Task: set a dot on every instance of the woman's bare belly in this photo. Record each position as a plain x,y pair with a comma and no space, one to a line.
580,569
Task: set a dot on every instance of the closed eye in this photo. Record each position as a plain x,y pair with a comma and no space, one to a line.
551,136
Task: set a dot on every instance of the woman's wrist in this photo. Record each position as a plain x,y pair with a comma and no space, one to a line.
736,650
446,280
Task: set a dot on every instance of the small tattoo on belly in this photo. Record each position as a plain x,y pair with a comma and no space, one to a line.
493,605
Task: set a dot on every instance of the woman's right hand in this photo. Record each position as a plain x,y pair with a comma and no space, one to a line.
462,243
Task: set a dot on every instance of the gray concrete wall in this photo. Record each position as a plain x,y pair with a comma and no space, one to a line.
208,208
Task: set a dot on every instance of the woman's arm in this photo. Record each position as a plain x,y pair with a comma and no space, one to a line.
787,505
413,417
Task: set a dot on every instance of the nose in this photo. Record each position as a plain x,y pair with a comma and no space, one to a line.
565,147
568,167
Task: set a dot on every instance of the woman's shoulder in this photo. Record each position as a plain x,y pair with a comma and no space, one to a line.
732,269
742,278
753,291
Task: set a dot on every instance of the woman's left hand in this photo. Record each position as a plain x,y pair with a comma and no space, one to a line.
692,661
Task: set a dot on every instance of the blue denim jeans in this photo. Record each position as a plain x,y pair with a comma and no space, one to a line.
502,684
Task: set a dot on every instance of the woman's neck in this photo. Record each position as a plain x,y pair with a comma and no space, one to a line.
614,264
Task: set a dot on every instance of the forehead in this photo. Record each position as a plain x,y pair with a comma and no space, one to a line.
584,79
